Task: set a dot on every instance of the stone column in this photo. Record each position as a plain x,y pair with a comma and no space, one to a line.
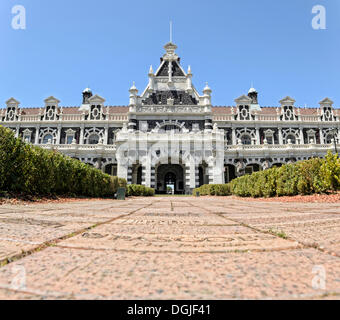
302,140
322,139
258,140
17,131
280,136
153,177
197,177
233,136
58,134
146,174
81,138
122,170
106,134
37,129
129,175
190,177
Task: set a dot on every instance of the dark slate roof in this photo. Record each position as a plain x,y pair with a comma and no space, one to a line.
160,97
176,70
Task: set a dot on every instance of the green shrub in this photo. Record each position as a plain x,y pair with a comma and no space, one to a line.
304,177
33,170
140,190
213,190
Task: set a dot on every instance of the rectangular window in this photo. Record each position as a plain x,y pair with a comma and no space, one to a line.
69,139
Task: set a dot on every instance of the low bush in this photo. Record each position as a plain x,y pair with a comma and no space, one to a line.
34,171
213,190
304,177
140,190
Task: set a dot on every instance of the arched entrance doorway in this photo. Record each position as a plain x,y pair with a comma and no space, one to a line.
170,182
170,176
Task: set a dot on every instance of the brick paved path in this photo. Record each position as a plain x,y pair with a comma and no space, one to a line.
170,248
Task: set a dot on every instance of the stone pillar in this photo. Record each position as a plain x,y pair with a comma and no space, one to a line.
197,177
58,134
81,138
302,141
122,170
106,134
190,179
17,131
129,175
280,136
37,129
146,174
322,139
153,177
233,136
258,140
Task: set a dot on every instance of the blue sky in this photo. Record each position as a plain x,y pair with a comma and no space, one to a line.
106,44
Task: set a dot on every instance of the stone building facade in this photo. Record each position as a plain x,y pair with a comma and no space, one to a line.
171,135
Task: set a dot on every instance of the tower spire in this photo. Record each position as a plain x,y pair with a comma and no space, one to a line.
170,31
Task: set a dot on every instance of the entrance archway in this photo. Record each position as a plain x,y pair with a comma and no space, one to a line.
170,175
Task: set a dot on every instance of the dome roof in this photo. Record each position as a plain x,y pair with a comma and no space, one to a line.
133,88
252,90
206,88
87,90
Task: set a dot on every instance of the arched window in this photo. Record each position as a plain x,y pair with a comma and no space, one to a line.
292,138
93,139
246,139
329,138
48,138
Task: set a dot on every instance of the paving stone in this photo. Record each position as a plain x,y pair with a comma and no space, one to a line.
172,248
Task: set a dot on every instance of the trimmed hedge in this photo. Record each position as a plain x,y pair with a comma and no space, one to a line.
304,177
140,190
32,170
214,190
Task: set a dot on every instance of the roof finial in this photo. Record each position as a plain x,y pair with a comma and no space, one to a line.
170,31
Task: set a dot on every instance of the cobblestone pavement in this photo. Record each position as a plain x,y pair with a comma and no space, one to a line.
170,248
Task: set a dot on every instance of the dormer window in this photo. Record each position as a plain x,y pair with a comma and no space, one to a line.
244,113
12,110
243,107
95,113
287,106
96,109
326,107
50,113
51,107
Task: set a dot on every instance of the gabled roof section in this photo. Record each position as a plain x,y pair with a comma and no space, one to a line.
163,71
51,99
287,101
326,101
96,99
243,99
12,101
